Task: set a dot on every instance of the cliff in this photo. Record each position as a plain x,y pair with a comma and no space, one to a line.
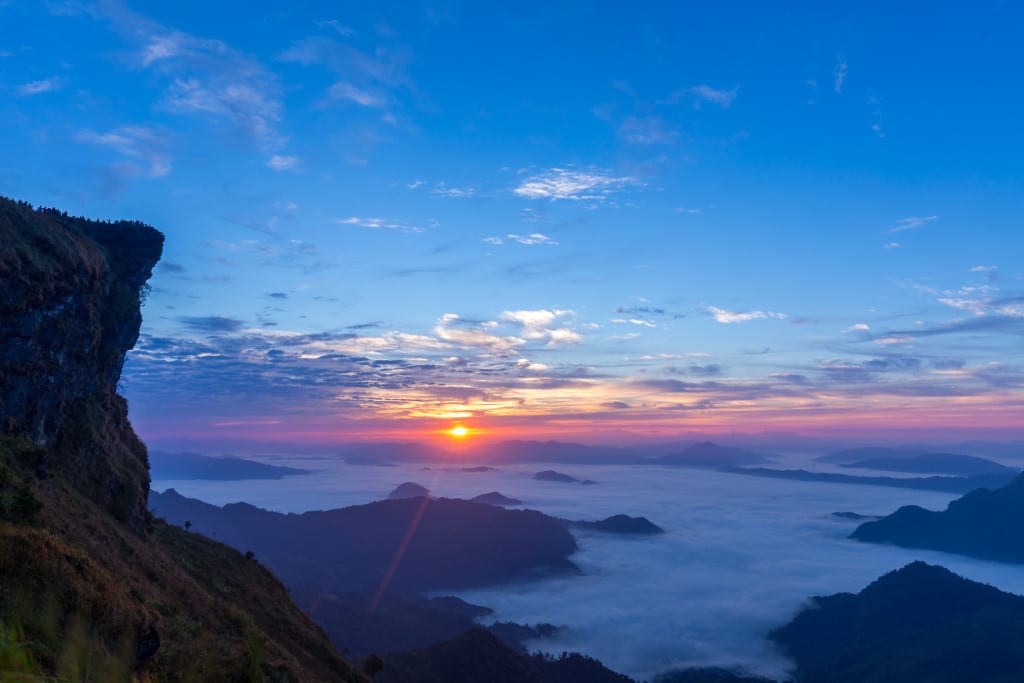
91,586
69,312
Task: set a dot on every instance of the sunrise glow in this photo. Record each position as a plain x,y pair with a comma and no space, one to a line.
459,432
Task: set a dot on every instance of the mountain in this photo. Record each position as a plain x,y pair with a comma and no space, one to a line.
409,489
947,484
622,524
919,623
479,655
984,523
552,475
496,498
454,543
94,588
848,455
553,451
933,463
709,454
194,466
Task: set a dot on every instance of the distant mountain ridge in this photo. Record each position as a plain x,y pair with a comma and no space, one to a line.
933,463
984,523
710,454
227,468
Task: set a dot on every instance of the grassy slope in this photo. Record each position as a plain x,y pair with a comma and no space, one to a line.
82,595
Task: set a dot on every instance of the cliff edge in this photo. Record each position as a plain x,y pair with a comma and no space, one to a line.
69,312
92,587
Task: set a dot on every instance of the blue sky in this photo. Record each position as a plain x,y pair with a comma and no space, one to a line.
593,218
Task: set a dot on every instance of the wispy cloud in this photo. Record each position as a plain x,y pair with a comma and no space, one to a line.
532,239
705,93
840,76
206,77
572,184
380,224
283,163
445,190
211,324
727,317
362,97
633,321
911,223
137,144
42,86
647,130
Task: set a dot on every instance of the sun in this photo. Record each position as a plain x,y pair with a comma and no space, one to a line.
458,431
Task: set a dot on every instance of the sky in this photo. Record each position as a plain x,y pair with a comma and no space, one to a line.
590,221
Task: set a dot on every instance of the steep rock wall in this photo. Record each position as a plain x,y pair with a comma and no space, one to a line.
70,294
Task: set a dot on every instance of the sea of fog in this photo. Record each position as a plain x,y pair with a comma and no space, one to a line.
741,554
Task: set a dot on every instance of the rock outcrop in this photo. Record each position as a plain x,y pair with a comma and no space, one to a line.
69,312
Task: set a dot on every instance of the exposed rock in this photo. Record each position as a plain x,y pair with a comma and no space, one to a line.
69,312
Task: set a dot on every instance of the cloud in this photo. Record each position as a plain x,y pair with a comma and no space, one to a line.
39,87
138,144
840,77
283,163
171,267
538,324
984,269
277,295
647,130
891,245
444,190
380,224
364,98
532,239
452,328
910,223
206,77
567,183
212,324
343,30
728,317
705,93
633,321
639,310
858,327
616,405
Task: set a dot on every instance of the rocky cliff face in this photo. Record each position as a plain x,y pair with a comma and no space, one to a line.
70,293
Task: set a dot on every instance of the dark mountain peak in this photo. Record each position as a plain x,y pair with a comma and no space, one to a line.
409,489
623,524
918,623
552,475
496,498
